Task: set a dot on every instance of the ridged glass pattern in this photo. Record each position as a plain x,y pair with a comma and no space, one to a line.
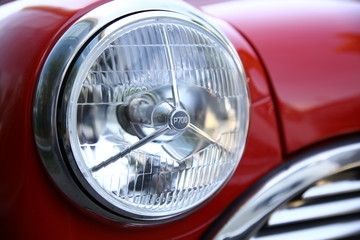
122,99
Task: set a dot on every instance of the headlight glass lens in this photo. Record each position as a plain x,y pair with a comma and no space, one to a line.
156,116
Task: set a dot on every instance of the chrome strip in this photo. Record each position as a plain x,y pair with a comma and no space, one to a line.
287,184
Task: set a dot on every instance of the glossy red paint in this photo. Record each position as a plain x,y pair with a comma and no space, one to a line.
311,50
31,206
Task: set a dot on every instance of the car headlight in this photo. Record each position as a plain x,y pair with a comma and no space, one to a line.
151,114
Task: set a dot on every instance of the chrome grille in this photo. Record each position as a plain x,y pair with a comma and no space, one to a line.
329,209
315,196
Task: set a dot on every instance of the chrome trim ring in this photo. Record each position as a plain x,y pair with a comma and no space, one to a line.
286,184
46,111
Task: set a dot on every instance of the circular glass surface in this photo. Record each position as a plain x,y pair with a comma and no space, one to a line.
157,115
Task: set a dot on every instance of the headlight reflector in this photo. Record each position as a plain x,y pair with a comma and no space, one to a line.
153,115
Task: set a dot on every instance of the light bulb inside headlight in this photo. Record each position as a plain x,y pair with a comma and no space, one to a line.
156,112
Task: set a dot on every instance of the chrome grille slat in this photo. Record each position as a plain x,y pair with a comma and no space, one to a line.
315,211
332,188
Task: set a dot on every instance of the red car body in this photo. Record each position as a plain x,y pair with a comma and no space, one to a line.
302,60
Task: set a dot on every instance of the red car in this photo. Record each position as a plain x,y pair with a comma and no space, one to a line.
172,120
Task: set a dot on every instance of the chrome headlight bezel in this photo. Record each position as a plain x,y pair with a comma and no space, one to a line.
51,98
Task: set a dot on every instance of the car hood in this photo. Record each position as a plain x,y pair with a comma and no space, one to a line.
311,51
